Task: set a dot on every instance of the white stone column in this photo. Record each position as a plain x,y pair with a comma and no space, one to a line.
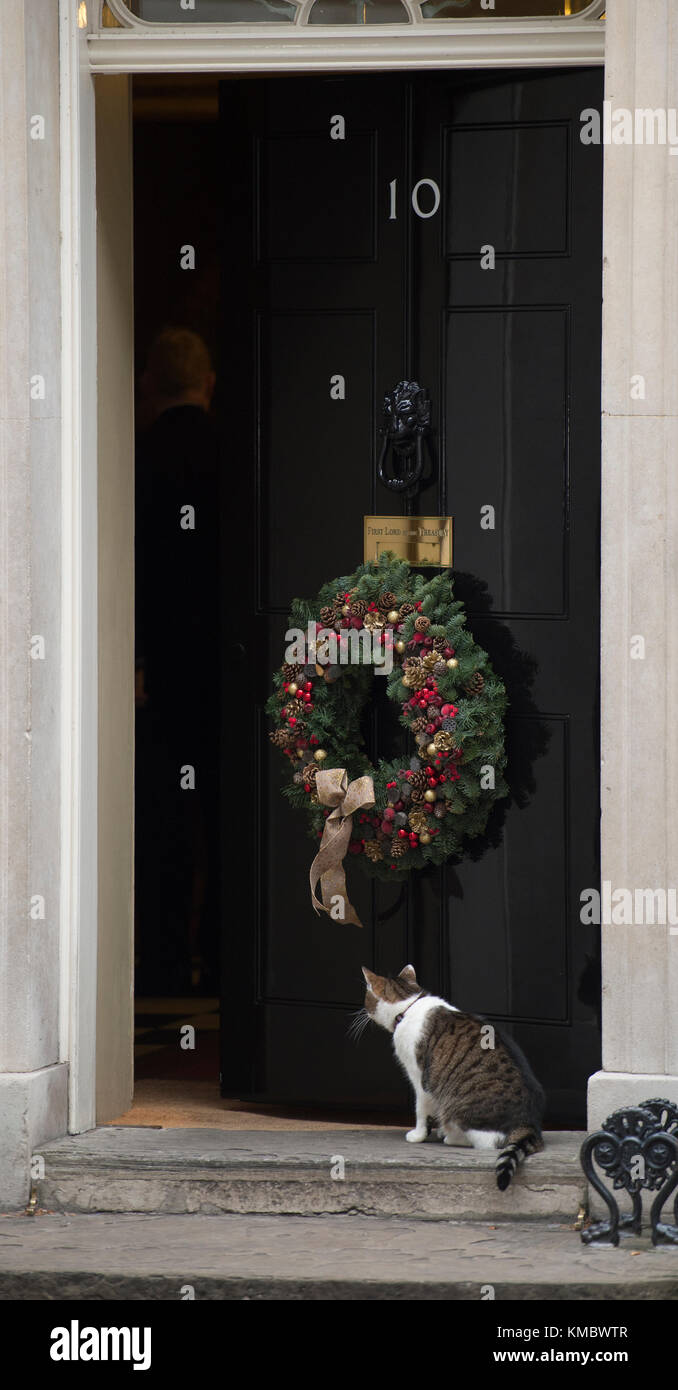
639,562
33,1079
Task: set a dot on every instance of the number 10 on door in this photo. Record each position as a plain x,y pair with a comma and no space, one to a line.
416,204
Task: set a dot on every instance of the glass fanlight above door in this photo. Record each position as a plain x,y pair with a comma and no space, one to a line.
331,12
507,9
358,12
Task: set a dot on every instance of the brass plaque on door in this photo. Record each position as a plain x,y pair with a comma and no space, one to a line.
422,540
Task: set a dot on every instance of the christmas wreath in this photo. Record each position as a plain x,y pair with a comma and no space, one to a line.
385,616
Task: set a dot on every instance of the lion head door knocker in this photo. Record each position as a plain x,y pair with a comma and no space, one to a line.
407,423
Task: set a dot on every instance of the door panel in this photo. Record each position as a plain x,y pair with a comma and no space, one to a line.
516,359
310,347
520,203
335,274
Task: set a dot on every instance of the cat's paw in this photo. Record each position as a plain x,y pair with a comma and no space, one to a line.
416,1136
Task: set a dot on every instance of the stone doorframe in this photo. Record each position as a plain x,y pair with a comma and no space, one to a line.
66,764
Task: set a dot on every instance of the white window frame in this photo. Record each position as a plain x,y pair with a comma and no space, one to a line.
148,46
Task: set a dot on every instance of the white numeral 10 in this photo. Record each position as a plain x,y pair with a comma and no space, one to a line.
423,183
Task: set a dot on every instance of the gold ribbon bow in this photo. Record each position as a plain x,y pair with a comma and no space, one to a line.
333,790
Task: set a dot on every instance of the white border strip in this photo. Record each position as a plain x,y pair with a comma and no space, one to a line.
79,694
470,44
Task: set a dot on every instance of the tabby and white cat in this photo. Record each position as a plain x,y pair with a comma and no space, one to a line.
469,1092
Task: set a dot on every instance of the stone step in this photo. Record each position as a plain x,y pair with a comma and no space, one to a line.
372,1172
67,1256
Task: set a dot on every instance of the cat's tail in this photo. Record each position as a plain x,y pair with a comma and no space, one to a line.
519,1144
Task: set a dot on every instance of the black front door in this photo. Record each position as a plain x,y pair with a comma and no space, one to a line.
445,227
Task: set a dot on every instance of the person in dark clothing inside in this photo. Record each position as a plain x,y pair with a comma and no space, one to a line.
177,678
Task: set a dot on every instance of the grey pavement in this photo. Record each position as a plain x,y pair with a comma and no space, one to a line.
323,1257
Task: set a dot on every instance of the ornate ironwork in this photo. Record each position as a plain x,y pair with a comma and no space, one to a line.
407,423
636,1150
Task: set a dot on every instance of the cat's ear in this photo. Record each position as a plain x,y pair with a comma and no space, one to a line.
371,980
409,973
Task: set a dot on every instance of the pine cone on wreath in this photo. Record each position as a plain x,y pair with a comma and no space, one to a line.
419,725
291,672
373,850
327,616
398,847
418,821
439,643
387,600
405,610
422,623
358,607
440,669
373,620
309,773
295,708
475,685
414,676
444,742
417,798
282,738
418,781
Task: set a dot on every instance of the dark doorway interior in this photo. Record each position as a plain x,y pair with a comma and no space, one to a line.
178,453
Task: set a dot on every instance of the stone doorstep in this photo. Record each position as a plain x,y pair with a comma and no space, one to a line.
130,1256
212,1172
